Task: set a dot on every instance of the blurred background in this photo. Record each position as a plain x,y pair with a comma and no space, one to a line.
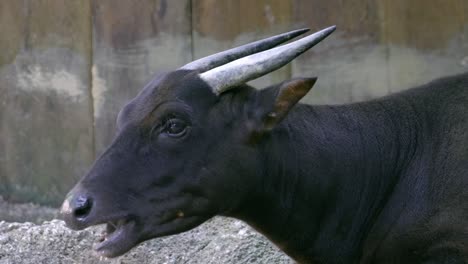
67,67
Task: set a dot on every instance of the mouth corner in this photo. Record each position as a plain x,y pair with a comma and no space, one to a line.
117,239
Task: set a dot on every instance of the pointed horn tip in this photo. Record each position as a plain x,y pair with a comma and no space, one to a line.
295,33
330,29
301,30
321,34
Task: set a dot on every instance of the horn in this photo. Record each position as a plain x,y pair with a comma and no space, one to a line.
215,60
248,68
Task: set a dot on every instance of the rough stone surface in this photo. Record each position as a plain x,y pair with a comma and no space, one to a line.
220,240
27,212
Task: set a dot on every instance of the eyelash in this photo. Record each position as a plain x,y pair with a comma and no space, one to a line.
164,125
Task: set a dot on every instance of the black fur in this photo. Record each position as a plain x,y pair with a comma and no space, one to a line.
383,181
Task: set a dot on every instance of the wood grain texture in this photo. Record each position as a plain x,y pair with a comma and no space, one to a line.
133,40
424,40
425,25
381,46
353,18
220,25
13,27
349,64
45,121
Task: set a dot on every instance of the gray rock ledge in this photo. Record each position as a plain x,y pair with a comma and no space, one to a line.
220,240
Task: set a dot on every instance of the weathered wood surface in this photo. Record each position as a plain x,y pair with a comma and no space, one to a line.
45,118
423,41
133,40
220,25
381,46
67,67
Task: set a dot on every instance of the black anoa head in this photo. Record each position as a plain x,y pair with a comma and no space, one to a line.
185,146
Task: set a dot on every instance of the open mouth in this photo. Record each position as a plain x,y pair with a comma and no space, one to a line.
117,238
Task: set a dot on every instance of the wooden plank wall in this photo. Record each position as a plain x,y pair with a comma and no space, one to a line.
67,67
45,118
132,41
382,46
219,25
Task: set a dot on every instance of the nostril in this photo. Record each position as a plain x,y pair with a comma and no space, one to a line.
82,206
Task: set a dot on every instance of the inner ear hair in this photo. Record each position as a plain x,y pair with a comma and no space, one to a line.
287,95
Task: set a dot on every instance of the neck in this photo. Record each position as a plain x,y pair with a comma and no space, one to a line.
327,174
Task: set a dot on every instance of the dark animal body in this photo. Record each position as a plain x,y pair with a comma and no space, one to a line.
383,181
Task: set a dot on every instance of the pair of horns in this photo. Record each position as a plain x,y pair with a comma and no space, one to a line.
245,63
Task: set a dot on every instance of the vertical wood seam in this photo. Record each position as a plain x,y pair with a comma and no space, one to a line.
27,24
463,21
91,79
192,42
384,39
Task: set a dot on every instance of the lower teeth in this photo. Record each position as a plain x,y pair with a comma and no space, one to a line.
102,237
110,228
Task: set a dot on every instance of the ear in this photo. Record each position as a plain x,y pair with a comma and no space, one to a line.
273,103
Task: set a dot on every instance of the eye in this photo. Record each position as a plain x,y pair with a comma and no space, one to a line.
175,127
